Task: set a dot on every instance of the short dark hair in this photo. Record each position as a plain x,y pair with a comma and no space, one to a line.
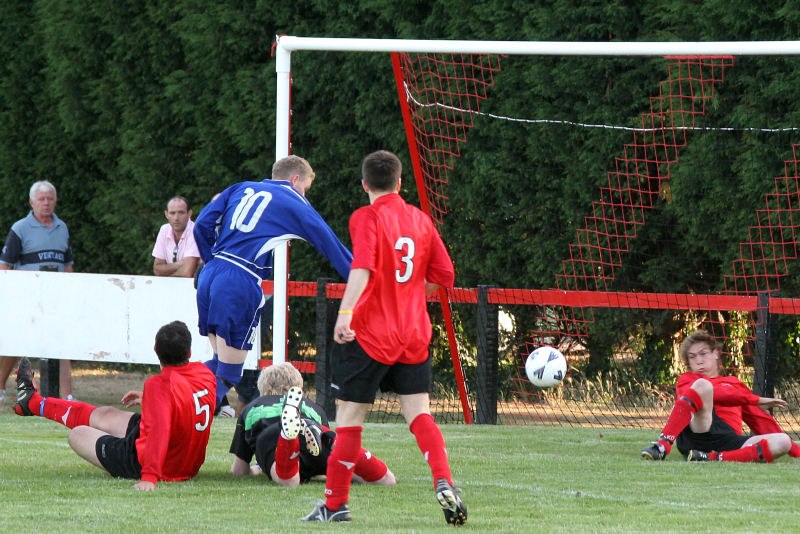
173,343
178,197
381,171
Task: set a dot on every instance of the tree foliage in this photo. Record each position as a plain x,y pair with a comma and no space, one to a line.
123,104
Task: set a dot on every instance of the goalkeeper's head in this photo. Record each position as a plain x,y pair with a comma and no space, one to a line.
381,172
277,379
173,344
701,337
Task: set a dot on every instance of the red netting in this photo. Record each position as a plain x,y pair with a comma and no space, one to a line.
635,185
443,92
615,400
773,241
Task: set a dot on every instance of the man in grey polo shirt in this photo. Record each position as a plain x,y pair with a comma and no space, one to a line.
39,242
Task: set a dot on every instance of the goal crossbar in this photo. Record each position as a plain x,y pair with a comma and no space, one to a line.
287,44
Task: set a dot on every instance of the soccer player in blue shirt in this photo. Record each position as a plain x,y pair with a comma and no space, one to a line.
236,234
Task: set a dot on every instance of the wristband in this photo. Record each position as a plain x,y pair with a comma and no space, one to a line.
345,312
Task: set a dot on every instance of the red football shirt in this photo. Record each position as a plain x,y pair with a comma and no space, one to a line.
177,409
401,248
734,403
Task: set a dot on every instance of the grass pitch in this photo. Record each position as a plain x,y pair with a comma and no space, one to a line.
514,479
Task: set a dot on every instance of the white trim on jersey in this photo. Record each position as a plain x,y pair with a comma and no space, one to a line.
273,243
232,259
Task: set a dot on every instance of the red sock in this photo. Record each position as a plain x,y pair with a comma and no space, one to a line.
680,417
752,453
68,413
369,467
431,443
287,458
794,451
341,463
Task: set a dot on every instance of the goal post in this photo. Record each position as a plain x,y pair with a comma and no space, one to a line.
582,254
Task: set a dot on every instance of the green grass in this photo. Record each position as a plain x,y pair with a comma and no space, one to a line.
514,479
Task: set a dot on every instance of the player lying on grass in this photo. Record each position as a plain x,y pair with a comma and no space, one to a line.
289,435
706,420
167,441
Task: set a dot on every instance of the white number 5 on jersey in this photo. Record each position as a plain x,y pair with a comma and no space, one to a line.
201,409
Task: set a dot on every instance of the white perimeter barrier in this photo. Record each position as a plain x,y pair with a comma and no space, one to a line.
96,317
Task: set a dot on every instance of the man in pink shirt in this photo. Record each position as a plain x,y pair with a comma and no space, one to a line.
175,251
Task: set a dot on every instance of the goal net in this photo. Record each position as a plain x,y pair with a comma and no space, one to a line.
618,327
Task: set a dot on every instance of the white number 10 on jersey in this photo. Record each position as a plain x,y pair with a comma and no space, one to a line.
250,199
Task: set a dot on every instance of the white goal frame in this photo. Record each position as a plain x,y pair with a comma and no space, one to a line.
287,44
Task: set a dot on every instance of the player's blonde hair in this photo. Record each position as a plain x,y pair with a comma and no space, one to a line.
277,379
285,168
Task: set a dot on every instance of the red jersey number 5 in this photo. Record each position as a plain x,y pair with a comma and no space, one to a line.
406,246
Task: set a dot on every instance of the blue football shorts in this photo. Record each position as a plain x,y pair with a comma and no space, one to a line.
229,302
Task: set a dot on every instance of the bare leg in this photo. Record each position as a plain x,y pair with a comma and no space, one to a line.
65,378
386,480
212,339
226,353
288,482
83,439
701,422
351,413
110,420
779,443
414,405
7,364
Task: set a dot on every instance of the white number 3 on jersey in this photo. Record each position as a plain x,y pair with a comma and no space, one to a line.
406,246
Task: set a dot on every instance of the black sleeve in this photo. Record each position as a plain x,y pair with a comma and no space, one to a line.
68,253
309,405
11,249
239,445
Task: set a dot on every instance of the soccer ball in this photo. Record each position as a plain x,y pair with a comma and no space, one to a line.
546,367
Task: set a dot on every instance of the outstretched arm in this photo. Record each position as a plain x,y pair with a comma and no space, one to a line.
767,402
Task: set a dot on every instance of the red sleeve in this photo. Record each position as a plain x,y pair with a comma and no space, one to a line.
729,391
363,237
155,428
440,266
759,421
